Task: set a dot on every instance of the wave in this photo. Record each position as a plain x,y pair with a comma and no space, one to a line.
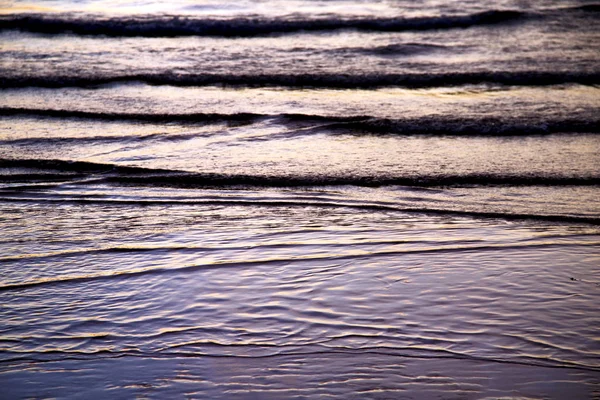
75,166
397,49
334,81
220,180
60,140
177,178
153,118
299,352
33,171
192,249
118,275
438,125
592,8
175,26
558,218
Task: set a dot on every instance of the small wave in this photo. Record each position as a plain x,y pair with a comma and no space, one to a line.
75,166
192,249
283,203
301,352
592,8
220,180
439,125
41,177
106,139
95,251
334,81
261,262
174,26
89,139
451,126
82,172
153,118
399,49
176,178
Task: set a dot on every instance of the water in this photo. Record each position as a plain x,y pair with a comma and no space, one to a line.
307,199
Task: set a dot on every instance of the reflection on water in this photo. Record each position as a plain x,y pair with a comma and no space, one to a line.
303,285
299,199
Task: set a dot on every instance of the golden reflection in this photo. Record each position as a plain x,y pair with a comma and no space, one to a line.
12,8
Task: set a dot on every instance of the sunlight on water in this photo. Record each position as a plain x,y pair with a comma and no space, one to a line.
215,8
468,102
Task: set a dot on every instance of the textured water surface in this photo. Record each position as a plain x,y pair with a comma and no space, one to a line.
304,199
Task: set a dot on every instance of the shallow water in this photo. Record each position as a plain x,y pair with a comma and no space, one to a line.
267,286
299,200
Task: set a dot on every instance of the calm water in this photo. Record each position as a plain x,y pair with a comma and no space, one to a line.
300,199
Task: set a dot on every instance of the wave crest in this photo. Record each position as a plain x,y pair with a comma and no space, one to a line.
174,26
334,81
174,178
439,125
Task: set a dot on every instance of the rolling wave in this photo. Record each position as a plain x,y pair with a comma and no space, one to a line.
154,118
119,139
438,125
335,81
76,166
175,26
175,178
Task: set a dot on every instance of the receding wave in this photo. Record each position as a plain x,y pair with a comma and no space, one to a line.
335,81
260,262
438,125
173,26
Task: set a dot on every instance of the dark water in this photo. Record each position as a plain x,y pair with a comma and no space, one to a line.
306,199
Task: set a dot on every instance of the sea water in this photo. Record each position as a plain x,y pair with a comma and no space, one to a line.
299,199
